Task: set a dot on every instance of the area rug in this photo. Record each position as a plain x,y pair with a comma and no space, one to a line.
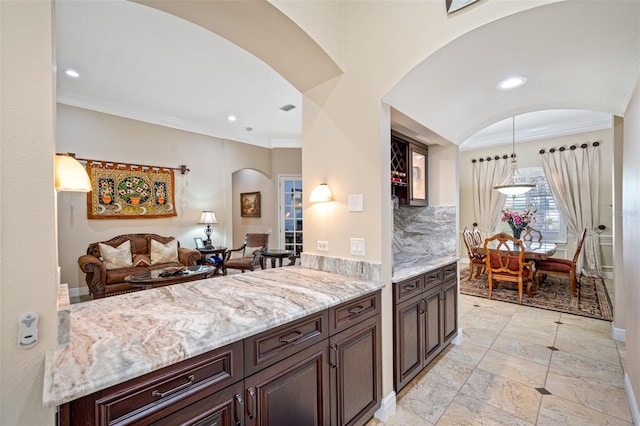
554,294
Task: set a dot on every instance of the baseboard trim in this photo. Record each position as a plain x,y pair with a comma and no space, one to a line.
619,334
459,338
631,399
387,408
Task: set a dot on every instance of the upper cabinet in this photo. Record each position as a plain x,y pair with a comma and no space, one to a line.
408,171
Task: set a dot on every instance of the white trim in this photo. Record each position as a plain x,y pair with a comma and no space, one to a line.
387,408
631,399
619,334
459,338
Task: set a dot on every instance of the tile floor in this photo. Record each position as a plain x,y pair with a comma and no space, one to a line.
518,365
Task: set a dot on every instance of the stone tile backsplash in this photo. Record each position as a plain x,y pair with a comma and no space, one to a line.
425,231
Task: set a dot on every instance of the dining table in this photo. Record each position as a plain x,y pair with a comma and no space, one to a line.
533,250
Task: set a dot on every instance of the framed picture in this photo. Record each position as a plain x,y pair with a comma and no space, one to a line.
199,243
250,204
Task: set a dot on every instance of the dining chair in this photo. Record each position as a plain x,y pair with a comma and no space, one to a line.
561,267
505,262
477,236
248,256
475,258
531,234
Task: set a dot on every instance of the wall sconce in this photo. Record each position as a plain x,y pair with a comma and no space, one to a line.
321,194
208,218
70,175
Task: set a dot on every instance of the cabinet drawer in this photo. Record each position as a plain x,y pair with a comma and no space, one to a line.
350,313
433,278
407,289
450,271
141,400
274,345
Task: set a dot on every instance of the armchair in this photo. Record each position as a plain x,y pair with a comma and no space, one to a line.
248,256
505,262
561,267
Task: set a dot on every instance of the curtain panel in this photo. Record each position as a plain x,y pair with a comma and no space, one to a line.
487,202
574,176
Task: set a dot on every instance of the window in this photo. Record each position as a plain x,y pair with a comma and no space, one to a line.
291,213
549,220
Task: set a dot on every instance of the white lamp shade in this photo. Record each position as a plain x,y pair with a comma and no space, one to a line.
321,193
208,217
70,175
515,188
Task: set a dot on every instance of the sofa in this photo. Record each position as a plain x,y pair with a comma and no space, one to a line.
107,263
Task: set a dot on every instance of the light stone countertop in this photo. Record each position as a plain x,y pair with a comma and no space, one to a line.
121,337
411,265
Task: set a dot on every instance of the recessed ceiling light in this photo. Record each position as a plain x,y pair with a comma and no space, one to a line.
231,118
72,73
512,82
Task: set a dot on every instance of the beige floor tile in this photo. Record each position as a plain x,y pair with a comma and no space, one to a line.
467,352
480,336
522,349
449,372
587,345
531,312
468,411
401,417
541,336
588,369
588,325
494,323
428,399
556,411
580,333
505,394
523,371
537,322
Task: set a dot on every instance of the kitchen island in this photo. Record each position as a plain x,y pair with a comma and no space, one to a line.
120,338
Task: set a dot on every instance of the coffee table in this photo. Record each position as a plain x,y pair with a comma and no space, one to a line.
277,254
153,279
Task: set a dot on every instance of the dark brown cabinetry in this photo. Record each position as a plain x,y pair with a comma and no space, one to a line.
409,184
425,320
324,369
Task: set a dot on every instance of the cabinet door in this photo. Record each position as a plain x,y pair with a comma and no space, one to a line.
354,357
432,337
294,392
450,308
408,353
418,174
223,408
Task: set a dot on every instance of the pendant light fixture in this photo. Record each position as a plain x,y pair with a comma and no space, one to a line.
514,185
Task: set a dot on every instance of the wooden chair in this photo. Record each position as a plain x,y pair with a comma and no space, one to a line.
477,237
248,256
505,262
475,258
531,234
561,267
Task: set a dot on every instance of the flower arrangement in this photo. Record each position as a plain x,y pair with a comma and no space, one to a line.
518,220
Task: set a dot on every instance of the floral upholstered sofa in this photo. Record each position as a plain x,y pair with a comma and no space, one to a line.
107,263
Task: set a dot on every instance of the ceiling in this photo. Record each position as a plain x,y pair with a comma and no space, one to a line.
138,62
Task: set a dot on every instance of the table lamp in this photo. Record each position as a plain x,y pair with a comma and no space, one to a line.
208,217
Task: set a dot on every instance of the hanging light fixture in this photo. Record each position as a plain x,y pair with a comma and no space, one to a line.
514,184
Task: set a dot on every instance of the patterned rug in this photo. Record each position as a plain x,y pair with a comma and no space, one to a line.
554,294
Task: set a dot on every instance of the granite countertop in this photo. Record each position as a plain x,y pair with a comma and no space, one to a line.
411,265
118,338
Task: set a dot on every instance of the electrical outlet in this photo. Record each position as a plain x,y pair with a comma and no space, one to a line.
357,246
323,245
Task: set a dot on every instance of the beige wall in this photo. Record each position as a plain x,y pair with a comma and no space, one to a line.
27,206
630,213
207,186
528,156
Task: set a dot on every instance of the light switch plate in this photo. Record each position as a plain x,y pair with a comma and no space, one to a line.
356,203
357,246
323,246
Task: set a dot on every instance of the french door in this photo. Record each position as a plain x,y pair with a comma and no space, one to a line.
290,212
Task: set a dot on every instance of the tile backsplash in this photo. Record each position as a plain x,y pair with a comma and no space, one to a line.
426,231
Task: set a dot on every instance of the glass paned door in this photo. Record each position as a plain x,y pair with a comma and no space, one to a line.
291,213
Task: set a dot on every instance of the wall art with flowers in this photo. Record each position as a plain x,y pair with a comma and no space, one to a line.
129,191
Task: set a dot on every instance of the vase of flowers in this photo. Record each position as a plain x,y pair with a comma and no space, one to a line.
517,221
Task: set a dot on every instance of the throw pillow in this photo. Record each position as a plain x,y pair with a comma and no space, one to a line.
116,257
248,251
164,253
141,260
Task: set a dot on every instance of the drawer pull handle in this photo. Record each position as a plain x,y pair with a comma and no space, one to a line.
251,394
159,394
333,356
356,310
238,409
296,336
409,287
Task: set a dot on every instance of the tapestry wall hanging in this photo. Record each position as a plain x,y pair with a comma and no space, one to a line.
129,191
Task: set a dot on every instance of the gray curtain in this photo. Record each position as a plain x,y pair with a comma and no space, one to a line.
574,177
487,202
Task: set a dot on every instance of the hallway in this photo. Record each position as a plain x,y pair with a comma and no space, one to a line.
518,365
